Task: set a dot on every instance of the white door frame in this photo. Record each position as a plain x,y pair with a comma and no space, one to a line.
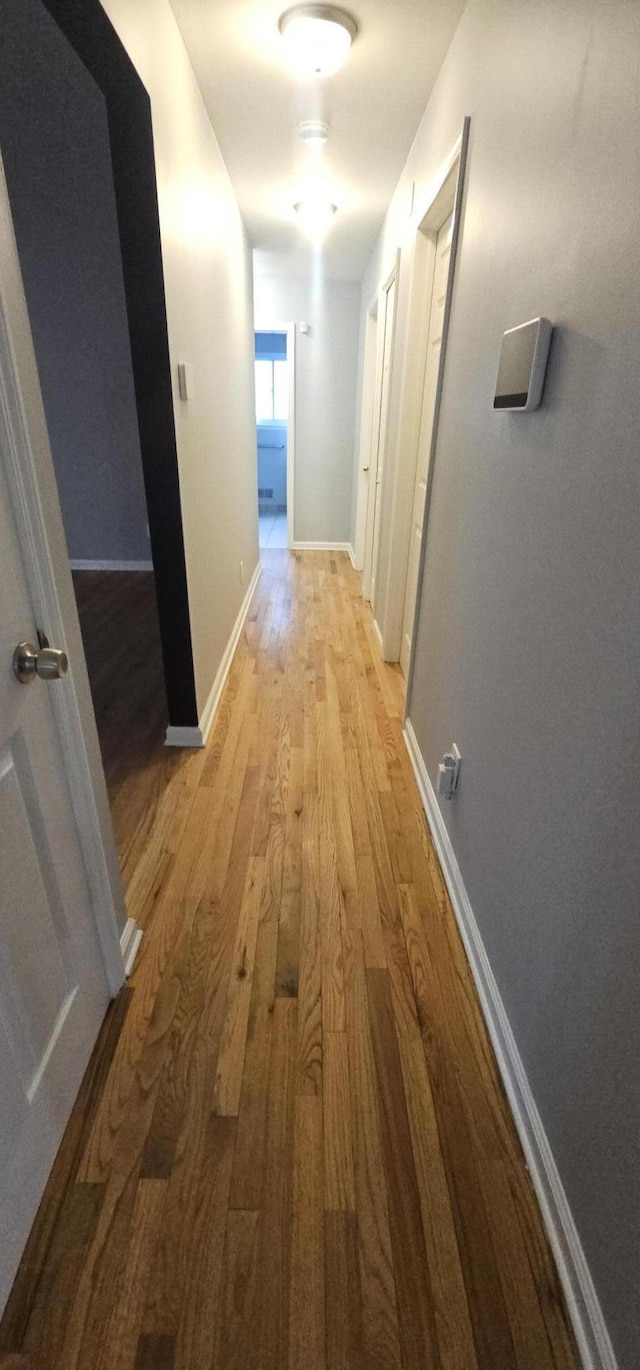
442,194
378,437
289,328
455,237
369,374
34,496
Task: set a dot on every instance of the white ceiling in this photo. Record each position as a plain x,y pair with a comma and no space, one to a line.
374,105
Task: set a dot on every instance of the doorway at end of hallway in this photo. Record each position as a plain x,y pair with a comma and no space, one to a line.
272,432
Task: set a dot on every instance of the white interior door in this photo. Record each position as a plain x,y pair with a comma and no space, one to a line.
434,344
366,435
53,987
387,356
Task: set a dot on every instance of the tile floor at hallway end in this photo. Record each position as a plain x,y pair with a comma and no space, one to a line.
273,530
292,1148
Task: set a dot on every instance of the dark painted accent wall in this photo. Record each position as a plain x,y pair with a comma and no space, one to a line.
91,34
57,162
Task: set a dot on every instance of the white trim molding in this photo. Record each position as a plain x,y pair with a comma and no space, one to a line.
130,939
352,557
443,196
584,1308
93,565
369,344
197,736
377,460
321,547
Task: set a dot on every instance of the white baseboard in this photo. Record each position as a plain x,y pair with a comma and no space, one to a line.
130,940
197,735
110,565
352,557
184,737
320,546
377,632
582,1301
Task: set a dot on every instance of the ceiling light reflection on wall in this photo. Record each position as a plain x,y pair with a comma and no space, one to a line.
317,38
313,132
315,215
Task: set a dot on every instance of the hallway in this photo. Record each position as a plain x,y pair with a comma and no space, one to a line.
292,1148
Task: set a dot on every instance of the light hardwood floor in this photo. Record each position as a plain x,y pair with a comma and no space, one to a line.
292,1148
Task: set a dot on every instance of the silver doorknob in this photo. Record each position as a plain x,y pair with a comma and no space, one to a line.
46,662
365,468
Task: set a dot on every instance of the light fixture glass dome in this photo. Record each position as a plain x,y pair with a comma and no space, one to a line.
315,214
313,132
317,38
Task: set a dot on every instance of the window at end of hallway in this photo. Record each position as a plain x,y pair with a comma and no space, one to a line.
271,391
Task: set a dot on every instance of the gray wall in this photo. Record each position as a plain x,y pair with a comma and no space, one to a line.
326,377
528,645
53,132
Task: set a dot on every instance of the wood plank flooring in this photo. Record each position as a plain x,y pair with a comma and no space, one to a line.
292,1149
121,638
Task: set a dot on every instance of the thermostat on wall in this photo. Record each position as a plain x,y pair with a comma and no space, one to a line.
523,362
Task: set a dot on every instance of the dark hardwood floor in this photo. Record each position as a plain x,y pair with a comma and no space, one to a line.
292,1150
121,636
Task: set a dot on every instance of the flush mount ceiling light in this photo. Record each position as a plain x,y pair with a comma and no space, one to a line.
315,215
314,132
317,37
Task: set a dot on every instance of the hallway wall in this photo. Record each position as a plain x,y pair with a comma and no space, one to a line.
207,269
326,377
528,651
